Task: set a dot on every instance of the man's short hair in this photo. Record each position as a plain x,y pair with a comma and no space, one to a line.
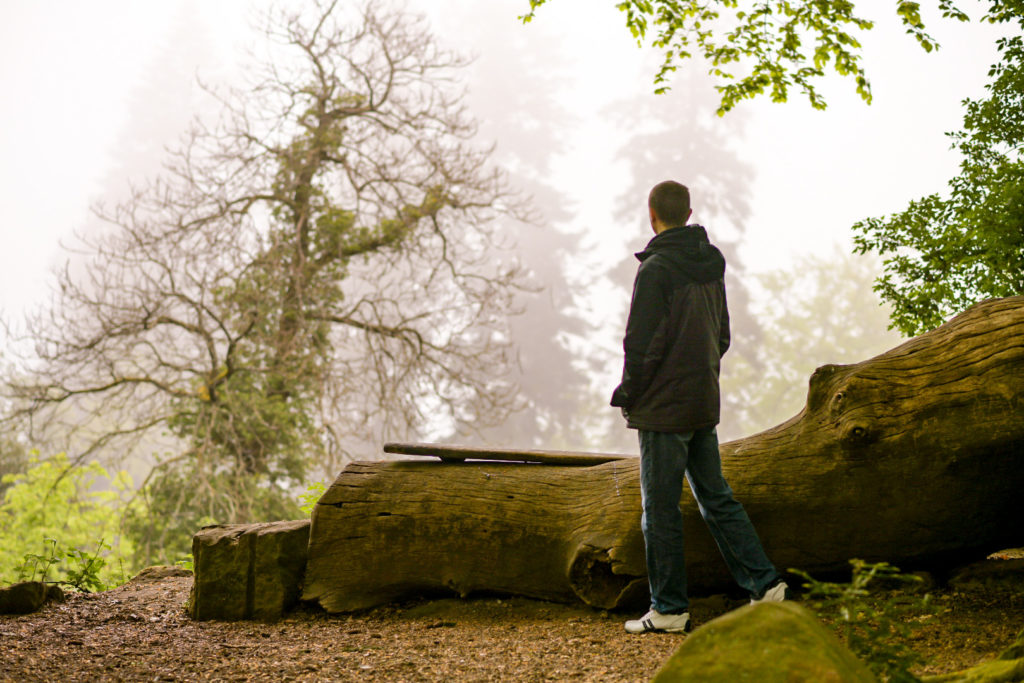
671,203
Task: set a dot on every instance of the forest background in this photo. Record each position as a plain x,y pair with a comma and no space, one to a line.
568,103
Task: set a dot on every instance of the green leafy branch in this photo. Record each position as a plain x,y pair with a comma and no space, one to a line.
874,626
769,46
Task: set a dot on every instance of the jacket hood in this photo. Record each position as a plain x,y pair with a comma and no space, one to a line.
688,247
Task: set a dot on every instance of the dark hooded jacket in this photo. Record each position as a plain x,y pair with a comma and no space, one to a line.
677,331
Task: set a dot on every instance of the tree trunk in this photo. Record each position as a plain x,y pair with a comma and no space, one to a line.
915,456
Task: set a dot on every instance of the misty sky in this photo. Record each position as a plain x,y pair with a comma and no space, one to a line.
69,72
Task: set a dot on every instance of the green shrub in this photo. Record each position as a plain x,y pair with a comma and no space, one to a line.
54,522
36,567
873,619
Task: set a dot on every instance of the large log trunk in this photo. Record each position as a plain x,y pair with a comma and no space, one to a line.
915,456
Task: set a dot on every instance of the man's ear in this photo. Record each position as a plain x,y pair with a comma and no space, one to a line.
690,213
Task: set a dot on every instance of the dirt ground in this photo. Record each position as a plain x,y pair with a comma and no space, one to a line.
140,632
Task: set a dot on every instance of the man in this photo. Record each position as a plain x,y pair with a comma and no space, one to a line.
677,331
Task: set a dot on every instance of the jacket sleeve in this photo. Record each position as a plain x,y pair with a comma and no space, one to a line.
648,312
724,336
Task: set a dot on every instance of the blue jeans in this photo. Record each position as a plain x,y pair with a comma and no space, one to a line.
664,459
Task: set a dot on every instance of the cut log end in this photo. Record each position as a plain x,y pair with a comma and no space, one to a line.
593,579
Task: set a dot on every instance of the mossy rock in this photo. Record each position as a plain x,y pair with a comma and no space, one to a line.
1015,651
28,596
159,572
996,671
990,576
1008,668
768,642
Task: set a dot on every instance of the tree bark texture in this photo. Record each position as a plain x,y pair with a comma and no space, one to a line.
915,457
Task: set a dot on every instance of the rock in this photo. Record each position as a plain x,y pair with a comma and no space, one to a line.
997,671
28,596
1015,651
248,571
1009,667
777,641
159,573
990,575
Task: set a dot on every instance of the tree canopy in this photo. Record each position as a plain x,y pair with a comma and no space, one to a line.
766,47
944,253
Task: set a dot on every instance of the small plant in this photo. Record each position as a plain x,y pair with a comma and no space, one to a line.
311,496
186,563
69,505
39,563
875,626
83,570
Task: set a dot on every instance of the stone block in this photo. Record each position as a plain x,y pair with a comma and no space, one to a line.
248,571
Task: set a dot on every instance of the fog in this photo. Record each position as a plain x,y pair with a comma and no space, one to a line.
93,92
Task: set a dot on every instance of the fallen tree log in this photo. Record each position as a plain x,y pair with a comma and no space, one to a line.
915,456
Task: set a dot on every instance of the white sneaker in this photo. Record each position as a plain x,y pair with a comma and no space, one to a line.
776,592
656,621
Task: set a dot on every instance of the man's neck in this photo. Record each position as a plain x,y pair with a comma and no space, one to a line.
661,227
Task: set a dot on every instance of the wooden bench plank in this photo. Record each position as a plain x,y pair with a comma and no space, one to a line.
449,453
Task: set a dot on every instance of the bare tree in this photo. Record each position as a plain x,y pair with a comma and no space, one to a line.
319,265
